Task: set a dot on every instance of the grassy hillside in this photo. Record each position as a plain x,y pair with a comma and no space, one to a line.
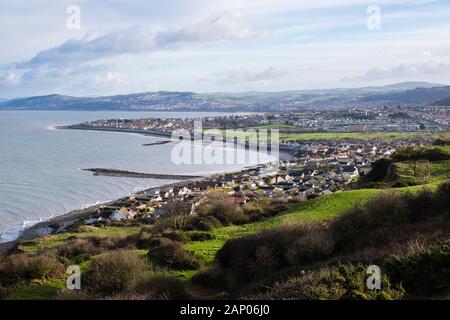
319,209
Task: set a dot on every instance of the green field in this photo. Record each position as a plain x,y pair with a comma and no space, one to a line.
284,136
387,136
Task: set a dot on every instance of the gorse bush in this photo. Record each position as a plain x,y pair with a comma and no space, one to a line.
391,217
79,250
161,287
172,254
255,257
347,282
23,267
424,272
114,273
222,207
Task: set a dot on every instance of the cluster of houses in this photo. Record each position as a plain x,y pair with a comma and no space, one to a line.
320,168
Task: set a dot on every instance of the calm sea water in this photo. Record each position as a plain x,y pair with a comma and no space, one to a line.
40,174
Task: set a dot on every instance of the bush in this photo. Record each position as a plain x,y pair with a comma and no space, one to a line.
14,268
206,223
200,236
392,217
255,257
115,272
348,282
172,254
45,266
211,278
176,208
424,272
222,207
161,287
179,236
3,292
22,267
78,249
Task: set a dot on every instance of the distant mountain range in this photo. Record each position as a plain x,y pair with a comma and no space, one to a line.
405,93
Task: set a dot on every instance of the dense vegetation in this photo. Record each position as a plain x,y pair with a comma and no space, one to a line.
404,233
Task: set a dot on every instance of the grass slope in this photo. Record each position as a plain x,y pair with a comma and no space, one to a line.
38,291
322,208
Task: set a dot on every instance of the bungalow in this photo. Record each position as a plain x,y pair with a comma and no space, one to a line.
122,215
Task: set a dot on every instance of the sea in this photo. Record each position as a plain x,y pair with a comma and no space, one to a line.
41,172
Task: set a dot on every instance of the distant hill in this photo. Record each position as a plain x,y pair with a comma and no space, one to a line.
414,96
443,102
412,93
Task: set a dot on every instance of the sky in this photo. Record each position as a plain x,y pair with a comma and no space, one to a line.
107,47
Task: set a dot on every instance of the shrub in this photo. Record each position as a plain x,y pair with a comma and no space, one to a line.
161,287
114,272
315,245
172,254
45,266
211,278
177,236
206,223
81,249
115,242
348,282
22,267
222,207
14,268
258,256
424,272
176,208
200,236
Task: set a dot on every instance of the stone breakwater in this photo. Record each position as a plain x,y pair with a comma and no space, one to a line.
130,174
126,130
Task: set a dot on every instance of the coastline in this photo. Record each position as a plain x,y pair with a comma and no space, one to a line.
59,223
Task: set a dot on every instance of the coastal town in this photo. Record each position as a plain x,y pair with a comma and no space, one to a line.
376,119
317,168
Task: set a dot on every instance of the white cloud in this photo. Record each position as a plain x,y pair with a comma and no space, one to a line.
248,75
111,78
12,79
229,25
413,70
